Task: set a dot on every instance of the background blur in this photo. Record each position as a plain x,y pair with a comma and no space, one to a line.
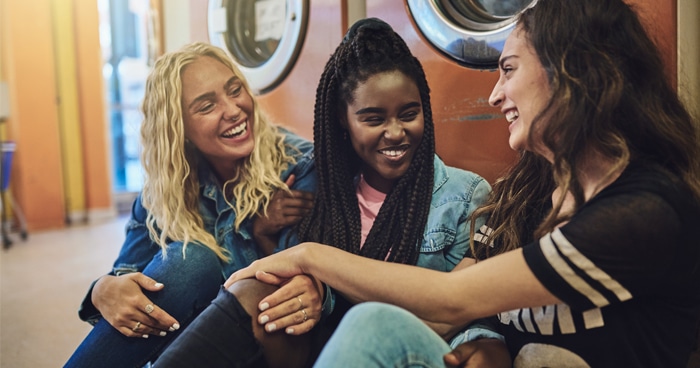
72,74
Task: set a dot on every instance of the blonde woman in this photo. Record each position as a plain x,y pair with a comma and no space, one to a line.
215,169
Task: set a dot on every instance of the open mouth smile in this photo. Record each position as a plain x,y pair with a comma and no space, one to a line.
236,131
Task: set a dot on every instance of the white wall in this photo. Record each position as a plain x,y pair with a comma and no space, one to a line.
176,23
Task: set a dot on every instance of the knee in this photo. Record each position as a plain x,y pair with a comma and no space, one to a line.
371,316
250,292
194,275
281,350
193,262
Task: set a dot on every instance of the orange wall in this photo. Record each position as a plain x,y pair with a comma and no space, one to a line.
93,115
29,66
36,173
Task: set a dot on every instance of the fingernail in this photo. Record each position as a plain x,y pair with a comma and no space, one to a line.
271,327
174,327
163,333
290,331
158,285
144,336
264,319
264,306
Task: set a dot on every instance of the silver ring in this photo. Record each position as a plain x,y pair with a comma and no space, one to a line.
301,305
305,316
138,324
149,308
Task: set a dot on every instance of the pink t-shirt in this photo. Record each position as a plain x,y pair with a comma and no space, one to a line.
370,201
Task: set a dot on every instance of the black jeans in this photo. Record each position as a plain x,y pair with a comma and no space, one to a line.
221,336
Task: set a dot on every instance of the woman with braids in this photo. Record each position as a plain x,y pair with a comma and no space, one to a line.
591,252
382,194
213,163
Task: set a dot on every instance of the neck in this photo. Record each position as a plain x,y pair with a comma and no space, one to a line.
597,172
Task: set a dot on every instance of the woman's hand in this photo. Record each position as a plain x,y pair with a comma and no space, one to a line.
276,268
295,307
122,303
285,209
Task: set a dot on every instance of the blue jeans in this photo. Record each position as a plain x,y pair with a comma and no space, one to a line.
381,335
190,285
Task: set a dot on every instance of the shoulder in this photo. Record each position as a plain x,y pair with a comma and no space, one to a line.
650,181
453,179
295,145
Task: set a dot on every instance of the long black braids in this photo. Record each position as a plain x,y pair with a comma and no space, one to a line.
370,47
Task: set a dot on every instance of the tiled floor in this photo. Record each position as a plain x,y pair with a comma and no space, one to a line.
42,281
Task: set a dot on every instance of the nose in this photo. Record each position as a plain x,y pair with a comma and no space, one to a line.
497,96
394,130
231,110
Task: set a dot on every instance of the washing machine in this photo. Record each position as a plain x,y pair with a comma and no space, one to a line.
281,46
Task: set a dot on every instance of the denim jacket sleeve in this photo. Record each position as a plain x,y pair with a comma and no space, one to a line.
478,192
456,194
137,251
483,328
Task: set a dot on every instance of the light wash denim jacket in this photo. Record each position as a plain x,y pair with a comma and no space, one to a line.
456,194
138,249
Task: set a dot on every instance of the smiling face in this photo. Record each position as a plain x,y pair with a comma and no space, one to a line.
385,125
522,90
217,113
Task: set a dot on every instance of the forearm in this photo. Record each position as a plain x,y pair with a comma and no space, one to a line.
357,278
455,298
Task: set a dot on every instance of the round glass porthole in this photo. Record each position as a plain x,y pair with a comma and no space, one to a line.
264,37
472,32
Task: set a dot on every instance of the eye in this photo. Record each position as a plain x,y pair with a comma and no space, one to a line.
235,90
207,107
374,120
506,69
409,115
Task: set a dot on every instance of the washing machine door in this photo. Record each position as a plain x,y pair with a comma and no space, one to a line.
471,32
263,37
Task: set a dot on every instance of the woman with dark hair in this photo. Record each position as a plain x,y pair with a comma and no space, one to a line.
590,255
382,194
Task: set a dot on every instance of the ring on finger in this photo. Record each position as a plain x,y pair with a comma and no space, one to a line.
138,324
301,305
305,315
149,308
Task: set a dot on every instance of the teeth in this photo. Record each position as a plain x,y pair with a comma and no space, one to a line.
236,131
512,115
393,153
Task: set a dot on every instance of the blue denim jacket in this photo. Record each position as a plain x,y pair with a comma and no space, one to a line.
138,249
456,194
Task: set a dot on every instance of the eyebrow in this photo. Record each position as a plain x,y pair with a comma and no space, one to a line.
504,59
231,81
377,110
210,95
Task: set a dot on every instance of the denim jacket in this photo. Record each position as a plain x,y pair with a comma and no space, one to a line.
138,249
456,194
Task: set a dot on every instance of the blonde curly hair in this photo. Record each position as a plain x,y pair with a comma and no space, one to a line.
171,188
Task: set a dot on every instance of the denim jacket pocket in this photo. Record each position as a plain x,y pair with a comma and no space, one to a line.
432,249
